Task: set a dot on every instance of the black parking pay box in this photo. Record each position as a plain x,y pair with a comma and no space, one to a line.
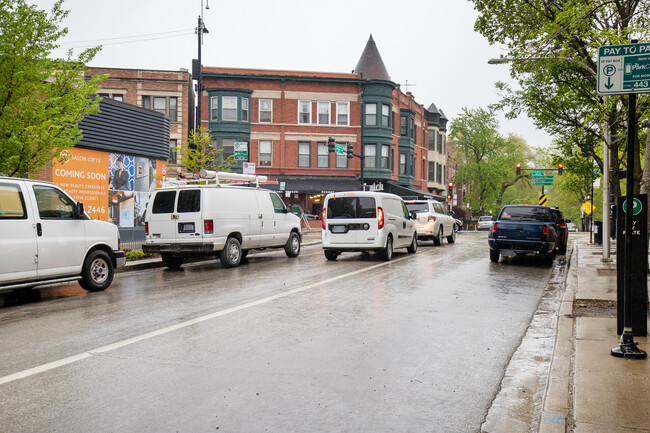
639,260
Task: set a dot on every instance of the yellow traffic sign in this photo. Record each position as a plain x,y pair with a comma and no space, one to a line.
588,208
542,199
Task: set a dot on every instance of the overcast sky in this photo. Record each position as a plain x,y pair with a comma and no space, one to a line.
431,44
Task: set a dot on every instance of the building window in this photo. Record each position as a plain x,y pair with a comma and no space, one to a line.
402,126
439,143
323,155
266,110
119,98
168,106
413,130
432,140
424,137
323,112
266,153
343,113
229,108
402,163
370,156
304,153
432,172
385,115
438,173
342,161
371,114
214,108
304,112
385,156
228,146
244,109
173,152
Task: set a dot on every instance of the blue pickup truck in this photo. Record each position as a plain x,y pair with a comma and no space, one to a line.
524,229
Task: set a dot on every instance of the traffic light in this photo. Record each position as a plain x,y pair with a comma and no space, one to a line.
350,151
588,197
560,169
518,169
451,185
331,144
448,196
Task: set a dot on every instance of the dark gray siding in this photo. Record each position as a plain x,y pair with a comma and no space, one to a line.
124,128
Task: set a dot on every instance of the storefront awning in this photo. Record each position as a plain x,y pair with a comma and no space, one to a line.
409,192
315,185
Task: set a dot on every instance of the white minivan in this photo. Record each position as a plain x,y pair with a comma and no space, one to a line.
366,221
45,238
227,221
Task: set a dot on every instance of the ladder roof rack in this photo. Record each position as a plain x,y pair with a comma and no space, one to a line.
217,176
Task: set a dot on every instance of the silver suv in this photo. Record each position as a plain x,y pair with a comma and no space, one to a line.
484,222
433,221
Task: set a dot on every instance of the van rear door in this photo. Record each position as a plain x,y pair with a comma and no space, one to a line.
190,225
18,234
162,216
351,220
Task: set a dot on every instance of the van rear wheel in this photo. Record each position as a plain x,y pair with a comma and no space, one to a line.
387,253
414,245
230,256
97,272
171,261
331,254
292,247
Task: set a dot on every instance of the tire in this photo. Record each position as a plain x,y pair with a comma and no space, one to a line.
231,255
292,247
437,241
452,238
562,250
172,262
413,248
494,255
548,259
387,253
331,254
97,272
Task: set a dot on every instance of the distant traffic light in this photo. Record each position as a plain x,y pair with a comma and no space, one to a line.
331,144
518,169
448,196
350,151
451,185
560,169
588,197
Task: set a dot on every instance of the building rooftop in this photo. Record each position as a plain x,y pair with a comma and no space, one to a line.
370,65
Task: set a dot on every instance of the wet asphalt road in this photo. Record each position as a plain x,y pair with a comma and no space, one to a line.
418,344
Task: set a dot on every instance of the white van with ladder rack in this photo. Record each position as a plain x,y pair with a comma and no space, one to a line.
187,219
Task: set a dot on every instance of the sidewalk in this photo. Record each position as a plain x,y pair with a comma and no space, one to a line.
562,377
588,389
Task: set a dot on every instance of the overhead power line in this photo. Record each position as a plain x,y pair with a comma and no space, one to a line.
139,38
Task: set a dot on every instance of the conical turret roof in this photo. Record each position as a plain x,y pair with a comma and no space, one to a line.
370,65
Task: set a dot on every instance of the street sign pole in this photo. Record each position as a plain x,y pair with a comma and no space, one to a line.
627,347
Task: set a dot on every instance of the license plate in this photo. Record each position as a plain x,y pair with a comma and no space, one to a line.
185,227
339,229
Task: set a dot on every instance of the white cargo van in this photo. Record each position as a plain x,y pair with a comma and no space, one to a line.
45,237
227,221
366,221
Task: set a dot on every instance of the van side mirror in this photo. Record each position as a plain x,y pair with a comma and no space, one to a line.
79,210
413,215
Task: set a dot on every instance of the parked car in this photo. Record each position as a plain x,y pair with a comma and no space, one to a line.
459,224
227,221
484,222
46,237
572,227
433,222
366,221
524,229
562,231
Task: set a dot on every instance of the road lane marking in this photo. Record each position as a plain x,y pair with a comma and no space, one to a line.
84,355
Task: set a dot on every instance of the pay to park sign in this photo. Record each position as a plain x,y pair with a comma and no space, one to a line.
624,69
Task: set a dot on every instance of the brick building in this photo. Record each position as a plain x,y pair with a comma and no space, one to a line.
286,117
167,92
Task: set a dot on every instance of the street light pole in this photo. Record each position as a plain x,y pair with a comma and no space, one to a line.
200,29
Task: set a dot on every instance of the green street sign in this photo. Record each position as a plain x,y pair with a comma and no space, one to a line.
636,206
624,68
538,172
241,150
543,180
340,149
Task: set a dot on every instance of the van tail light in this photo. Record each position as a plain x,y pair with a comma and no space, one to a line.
146,228
322,217
208,227
432,219
380,218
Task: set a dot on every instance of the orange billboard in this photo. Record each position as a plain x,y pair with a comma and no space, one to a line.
84,175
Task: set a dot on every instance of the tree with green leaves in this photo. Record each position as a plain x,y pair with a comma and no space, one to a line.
552,50
488,159
201,153
42,99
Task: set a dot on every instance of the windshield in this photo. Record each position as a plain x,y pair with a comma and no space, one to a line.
516,213
417,207
351,207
